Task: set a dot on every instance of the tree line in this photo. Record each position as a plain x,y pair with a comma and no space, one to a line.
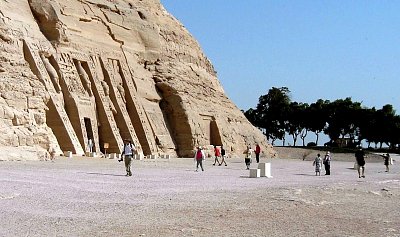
276,116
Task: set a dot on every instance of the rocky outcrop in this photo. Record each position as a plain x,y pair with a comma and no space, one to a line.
110,70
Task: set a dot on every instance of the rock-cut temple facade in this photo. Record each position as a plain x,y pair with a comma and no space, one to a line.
109,70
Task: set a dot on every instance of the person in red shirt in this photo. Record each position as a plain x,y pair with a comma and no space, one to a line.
199,156
217,153
258,151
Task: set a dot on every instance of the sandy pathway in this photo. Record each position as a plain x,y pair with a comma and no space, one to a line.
92,197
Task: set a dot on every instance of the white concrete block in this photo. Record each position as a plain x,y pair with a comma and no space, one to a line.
68,154
254,173
153,157
265,169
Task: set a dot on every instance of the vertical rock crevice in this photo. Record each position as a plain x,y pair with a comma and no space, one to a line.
31,61
176,119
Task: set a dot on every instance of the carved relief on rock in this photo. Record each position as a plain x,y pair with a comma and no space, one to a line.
111,70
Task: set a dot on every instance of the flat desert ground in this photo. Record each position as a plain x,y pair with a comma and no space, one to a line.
83,196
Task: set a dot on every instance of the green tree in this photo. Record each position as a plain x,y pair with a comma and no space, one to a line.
368,126
296,121
316,117
272,111
343,119
394,135
385,122
275,115
251,115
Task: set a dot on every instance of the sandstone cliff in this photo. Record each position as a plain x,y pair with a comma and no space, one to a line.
109,70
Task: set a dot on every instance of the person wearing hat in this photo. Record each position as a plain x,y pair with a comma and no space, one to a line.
127,155
327,163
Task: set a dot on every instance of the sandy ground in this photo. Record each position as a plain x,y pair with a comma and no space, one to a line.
92,197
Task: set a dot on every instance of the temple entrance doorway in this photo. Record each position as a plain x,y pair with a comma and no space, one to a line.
215,136
89,133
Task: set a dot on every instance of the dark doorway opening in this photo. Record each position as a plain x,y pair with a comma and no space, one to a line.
215,136
89,132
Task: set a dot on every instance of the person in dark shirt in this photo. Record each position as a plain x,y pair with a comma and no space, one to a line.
360,159
386,162
223,154
327,163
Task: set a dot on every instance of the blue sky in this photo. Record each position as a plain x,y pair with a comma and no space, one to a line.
318,49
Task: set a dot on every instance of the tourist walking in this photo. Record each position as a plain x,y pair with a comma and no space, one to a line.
199,156
127,155
247,156
257,152
223,154
52,152
386,161
318,164
90,145
360,159
217,153
327,163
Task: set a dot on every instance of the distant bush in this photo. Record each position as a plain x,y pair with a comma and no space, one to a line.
311,144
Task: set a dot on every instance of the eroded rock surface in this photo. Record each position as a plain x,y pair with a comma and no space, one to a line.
110,70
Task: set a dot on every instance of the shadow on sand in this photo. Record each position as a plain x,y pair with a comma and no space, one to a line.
106,174
307,174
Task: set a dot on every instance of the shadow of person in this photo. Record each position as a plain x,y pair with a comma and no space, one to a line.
93,173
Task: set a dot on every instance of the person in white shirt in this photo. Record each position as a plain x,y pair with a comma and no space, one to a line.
90,145
127,155
247,156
